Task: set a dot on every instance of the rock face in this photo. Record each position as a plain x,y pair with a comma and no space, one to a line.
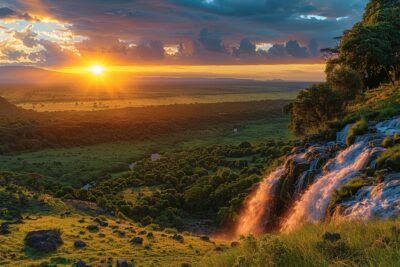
44,240
300,189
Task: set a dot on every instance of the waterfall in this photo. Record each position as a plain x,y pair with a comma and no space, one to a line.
257,209
342,135
381,201
313,185
312,205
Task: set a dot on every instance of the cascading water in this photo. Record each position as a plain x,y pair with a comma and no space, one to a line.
256,212
313,203
302,187
381,201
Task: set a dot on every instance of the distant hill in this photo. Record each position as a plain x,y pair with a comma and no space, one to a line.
8,109
31,75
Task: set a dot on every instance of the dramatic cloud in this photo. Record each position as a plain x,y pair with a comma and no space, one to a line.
183,31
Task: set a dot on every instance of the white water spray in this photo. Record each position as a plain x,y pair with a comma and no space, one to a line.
381,201
312,205
257,210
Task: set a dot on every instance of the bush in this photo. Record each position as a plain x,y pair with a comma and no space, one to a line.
345,81
358,128
314,108
387,142
390,159
344,192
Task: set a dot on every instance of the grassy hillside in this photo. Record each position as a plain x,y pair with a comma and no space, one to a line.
374,244
110,243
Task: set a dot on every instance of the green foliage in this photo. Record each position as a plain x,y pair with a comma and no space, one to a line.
345,191
372,46
346,82
390,158
357,128
372,244
314,108
387,142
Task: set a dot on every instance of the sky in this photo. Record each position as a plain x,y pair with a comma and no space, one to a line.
58,33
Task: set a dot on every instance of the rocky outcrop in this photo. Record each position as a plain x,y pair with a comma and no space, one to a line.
44,241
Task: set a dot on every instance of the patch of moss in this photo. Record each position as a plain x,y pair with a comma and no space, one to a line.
390,159
358,128
344,192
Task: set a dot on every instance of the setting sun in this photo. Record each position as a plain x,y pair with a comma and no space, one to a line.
97,69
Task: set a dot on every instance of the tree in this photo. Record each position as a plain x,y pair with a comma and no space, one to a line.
346,82
372,47
313,108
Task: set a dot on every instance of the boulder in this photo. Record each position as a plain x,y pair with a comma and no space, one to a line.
81,263
218,248
332,237
79,244
123,263
177,237
205,238
120,233
93,228
137,240
101,222
143,232
235,244
4,229
150,235
44,240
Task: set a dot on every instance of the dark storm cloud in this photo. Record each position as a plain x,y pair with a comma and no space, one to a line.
8,13
208,31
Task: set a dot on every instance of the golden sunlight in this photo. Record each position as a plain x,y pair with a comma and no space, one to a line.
97,69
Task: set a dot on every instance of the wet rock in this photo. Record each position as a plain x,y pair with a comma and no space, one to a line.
44,240
332,237
137,240
205,238
79,244
93,228
235,244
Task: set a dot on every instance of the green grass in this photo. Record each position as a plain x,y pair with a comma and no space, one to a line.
390,158
376,104
160,250
77,165
374,244
357,128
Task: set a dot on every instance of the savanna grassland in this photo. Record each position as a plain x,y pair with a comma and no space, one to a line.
146,92
64,170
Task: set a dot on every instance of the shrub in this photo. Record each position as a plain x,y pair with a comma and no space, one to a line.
344,192
390,159
387,142
358,128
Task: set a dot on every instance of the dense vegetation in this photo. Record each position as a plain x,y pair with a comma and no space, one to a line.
367,56
208,181
373,244
27,130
